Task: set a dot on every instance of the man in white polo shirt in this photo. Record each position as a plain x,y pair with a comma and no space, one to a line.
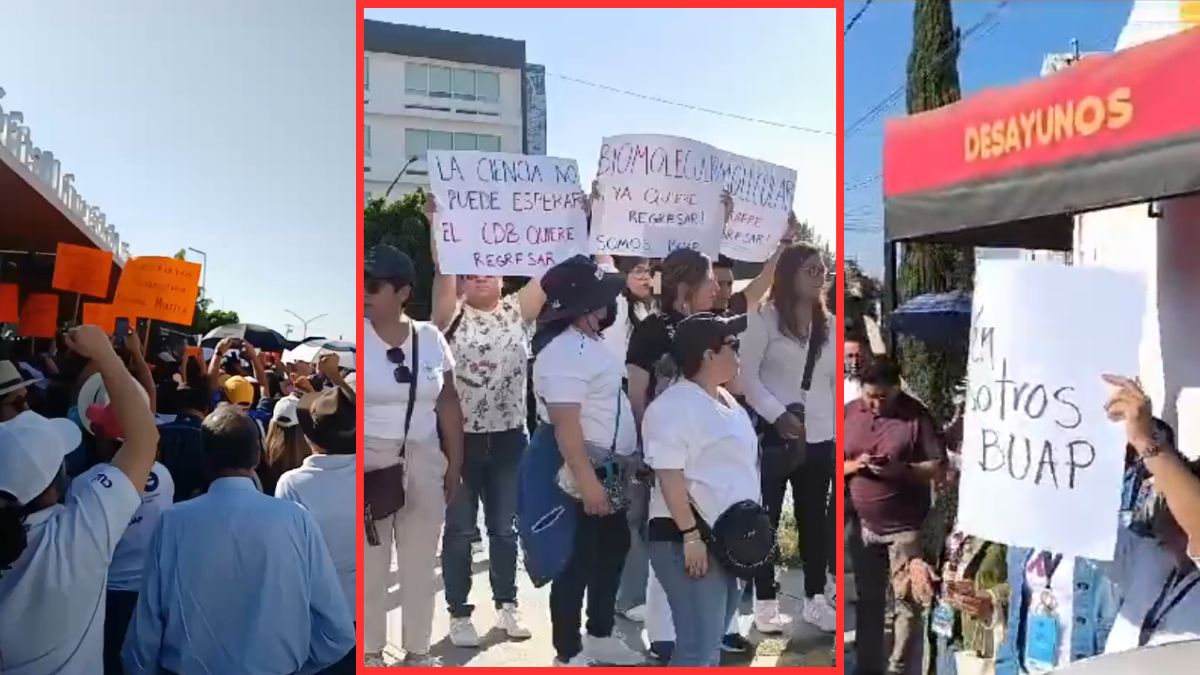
54,557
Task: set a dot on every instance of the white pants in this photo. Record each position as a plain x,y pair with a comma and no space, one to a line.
412,533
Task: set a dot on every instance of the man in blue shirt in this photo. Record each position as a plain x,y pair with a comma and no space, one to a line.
235,580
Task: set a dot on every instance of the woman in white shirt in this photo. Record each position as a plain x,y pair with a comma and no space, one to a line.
702,447
424,434
787,342
587,419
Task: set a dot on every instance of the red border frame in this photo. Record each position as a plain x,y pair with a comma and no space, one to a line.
839,636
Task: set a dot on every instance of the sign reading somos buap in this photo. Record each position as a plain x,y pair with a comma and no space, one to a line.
505,214
1041,463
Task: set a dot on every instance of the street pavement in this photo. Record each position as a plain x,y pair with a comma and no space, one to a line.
802,646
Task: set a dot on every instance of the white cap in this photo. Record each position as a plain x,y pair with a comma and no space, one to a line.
32,449
285,412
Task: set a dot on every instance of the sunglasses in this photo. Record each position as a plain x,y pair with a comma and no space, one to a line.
396,357
814,271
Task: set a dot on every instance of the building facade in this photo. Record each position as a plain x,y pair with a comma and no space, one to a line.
431,89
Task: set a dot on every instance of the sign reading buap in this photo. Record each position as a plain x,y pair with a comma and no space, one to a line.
505,214
1041,463
659,193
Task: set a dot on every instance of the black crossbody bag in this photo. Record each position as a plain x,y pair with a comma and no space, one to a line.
780,456
383,489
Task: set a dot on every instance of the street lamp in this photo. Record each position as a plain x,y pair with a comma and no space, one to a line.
203,271
304,321
397,180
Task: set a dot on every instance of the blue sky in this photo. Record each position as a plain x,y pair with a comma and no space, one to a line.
1009,48
224,125
778,65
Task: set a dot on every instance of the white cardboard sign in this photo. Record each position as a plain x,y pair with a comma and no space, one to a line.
1042,464
659,193
504,213
762,201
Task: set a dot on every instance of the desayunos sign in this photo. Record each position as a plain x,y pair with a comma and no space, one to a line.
16,139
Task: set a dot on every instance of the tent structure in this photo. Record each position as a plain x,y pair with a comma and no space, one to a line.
1010,167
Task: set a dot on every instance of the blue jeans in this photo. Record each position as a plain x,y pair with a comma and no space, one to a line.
636,573
700,608
490,467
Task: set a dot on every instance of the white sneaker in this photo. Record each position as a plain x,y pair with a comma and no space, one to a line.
578,661
508,619
768,619
463,633
818,613
421,661
611,651
635,614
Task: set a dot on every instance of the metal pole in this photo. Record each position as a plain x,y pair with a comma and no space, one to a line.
397,179
304,321
203,271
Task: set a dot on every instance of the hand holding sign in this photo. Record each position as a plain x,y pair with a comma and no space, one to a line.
1129,403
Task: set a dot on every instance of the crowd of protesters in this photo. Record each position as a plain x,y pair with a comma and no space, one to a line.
138,531
962,605
638,477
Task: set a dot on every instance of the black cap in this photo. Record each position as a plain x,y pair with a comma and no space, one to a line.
327,419
577,286
701,332
388,262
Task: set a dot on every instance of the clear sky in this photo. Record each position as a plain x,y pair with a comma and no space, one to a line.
778,65
223,125
1007,49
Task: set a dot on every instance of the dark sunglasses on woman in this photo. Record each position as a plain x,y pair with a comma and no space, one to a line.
396,357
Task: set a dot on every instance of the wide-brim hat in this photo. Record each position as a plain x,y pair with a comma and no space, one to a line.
93,404
12,379
328,421
577,286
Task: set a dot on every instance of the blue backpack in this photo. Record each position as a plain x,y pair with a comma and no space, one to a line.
546,516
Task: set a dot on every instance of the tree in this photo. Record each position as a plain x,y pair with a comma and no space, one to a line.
402,224
862,292
933,268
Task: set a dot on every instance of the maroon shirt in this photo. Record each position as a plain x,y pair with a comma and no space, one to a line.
904,434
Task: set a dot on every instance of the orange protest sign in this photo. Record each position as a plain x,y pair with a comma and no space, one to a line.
82,270
10,311
39,316
101,315
159,288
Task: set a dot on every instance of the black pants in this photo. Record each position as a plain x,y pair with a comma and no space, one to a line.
118,611
601,543
815,513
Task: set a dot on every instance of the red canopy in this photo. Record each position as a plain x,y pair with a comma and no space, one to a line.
1008,166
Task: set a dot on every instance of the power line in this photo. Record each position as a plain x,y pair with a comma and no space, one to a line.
854,19
658,99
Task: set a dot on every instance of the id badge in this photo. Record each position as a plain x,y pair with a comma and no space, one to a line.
1041,641
942,620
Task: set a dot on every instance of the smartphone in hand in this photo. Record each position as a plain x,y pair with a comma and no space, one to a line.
120,332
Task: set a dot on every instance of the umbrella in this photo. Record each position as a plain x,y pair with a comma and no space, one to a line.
937,318
261,337
311,350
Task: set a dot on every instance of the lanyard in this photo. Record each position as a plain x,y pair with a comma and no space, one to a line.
1049,564
1158,611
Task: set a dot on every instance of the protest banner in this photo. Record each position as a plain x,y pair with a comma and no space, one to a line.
505,214
763,195
1042,464
82,270
101,315
39,316
658,193
159,288
10,308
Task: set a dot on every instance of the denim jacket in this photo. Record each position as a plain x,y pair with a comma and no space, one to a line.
1094,607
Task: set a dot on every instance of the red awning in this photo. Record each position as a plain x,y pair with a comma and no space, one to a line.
1009,166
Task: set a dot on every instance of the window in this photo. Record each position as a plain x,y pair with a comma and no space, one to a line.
439,82
366,140
487,87
366,73
366,197
416,79
419,141
465,142
462,84
488,143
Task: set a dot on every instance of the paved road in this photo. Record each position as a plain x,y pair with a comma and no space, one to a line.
804,647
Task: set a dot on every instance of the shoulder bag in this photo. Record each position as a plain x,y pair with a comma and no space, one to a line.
780,456
383,489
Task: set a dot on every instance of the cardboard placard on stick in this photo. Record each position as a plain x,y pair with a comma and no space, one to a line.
159,288
101,315
10,304
83,270
1042,464
39,316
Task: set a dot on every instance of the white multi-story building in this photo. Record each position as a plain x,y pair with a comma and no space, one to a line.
431,89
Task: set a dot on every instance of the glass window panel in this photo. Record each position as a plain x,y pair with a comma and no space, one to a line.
441,140
367,140
416,142
439,82
464,84
463,141
366,73
488,143
487,87
416,79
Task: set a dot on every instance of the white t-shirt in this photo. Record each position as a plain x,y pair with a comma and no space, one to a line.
325,484
851,390
125,572
773,372
616,337
575,368
714,444
52,600
492,353
1140,569
1062,587
386,401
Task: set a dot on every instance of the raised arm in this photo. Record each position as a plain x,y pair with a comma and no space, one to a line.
757,289
139,368
445,286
